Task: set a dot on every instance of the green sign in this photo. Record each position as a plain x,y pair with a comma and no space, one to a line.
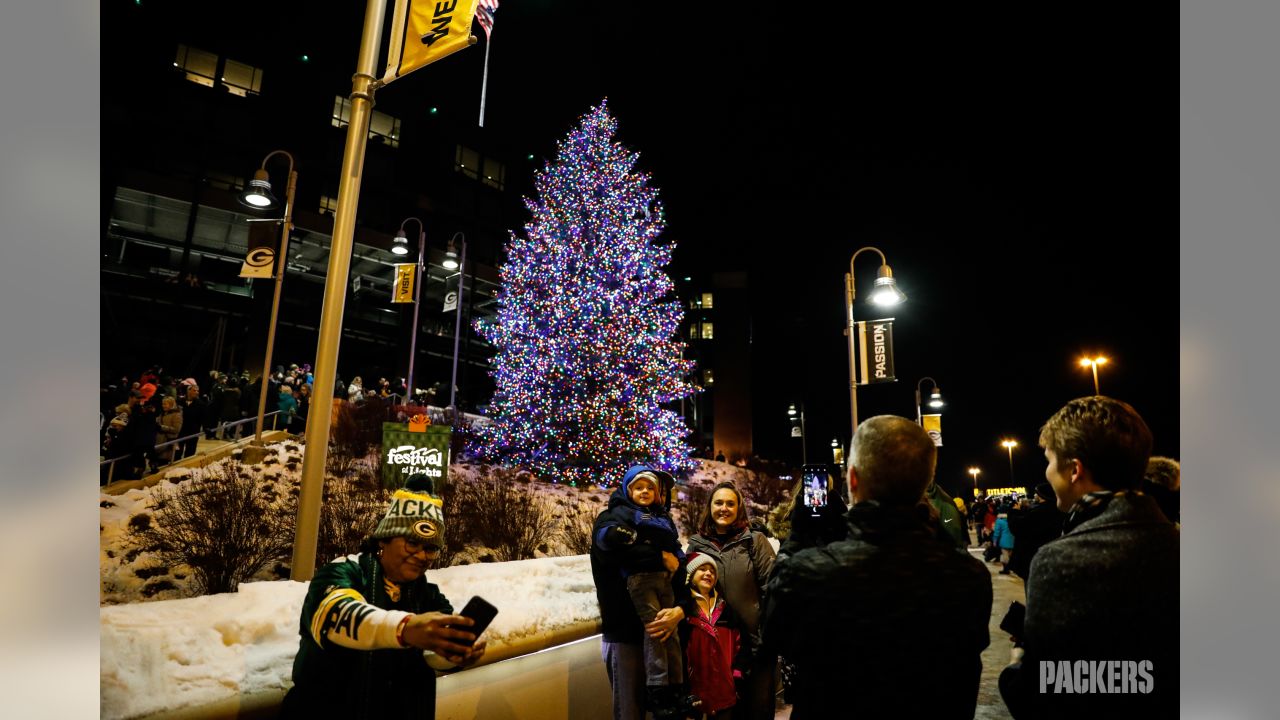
405,452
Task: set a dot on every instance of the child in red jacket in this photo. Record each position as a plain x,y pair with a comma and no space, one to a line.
713,640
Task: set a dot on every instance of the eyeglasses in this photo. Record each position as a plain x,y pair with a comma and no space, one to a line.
413,547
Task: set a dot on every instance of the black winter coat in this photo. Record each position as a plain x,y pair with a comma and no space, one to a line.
1106,590
1033,528
890,622
610,566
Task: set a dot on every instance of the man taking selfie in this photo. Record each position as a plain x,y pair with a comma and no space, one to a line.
890,621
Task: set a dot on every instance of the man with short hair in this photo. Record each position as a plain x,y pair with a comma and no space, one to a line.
1101,628
892,620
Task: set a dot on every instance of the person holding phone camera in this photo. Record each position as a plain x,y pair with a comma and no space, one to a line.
367,618
746,558
889,621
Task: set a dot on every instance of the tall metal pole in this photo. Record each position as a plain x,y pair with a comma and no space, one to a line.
1012,480
417,303
804,439
282,264
457,332
1094,365
335,290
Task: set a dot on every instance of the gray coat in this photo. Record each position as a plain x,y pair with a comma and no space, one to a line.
746,562
1105,590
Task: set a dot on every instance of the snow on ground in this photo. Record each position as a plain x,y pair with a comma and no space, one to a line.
174,652
178,653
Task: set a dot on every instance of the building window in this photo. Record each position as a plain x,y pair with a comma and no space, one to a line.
693,331
495,174
328,205
707,331
706,301
383,128
467,162
200,67
708,377
240,79
477,167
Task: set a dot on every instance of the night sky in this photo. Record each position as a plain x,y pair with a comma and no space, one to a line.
1015,165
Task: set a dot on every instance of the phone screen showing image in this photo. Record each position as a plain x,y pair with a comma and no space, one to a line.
817,489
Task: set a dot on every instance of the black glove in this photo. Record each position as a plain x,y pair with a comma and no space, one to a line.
810,530
619,535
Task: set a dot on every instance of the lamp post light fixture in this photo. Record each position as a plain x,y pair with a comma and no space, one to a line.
452,263
1093,362
1009,445
884,293
935,398
791,413
974,473
400,246
258,195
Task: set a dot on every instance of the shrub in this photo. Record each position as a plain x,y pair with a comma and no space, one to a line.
576,532
692,508
350,512
509,518
220,525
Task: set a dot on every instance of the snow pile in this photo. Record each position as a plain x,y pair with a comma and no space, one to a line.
178,653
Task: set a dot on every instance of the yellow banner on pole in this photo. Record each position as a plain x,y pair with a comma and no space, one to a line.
424,31
403,290
933,425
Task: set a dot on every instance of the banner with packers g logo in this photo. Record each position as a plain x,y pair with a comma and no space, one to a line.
405,452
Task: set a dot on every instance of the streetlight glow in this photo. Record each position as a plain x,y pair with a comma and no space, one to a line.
400,245
1093,362
1010,444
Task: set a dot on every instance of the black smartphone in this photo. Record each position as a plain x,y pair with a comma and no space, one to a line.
479,610
816,486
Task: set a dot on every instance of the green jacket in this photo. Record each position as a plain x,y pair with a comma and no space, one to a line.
949,516
334,681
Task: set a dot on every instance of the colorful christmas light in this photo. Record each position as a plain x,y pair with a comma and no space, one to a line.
588,353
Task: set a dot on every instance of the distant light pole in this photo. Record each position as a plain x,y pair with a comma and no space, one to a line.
258,196
451,262
935,398
1009,445
1094,362
400,246
804,451
884,293
974,472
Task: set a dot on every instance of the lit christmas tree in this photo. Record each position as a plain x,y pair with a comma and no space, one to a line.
586,332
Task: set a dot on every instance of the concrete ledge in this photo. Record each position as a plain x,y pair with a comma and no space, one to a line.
558,671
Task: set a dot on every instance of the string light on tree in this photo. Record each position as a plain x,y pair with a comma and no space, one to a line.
588,352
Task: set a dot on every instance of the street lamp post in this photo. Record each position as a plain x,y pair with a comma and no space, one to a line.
451,261
1009,445
974,472
1094,362
804,451
935,398
400,247
884,293
258,195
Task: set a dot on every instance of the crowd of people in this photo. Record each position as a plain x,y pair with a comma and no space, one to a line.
877,609
872,608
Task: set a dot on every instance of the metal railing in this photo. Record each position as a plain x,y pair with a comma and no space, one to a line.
220,430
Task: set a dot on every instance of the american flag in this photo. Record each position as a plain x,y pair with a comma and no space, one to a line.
484,13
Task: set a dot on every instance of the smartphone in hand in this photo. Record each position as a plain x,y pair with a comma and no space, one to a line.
817,486
479,610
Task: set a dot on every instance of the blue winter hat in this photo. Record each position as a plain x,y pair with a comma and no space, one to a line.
663,478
